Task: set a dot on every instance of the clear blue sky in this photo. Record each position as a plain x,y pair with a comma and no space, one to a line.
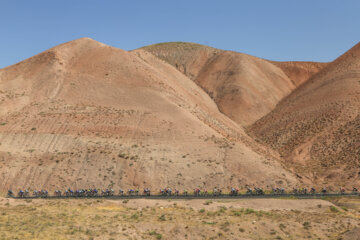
314,30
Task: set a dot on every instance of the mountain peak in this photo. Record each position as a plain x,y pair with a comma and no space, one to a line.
85,40
79,44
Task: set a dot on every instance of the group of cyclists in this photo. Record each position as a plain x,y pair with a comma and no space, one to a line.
94,192
26,193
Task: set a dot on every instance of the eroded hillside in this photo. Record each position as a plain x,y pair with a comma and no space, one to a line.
245,88
300,72
84,114
317,127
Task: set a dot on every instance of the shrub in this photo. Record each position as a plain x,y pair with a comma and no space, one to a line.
282,226
226,224
88,232
249,211
237,212
334,209
344,208
202,210
260,213
306,225
211,214
222,209
210,223
162,218
157,235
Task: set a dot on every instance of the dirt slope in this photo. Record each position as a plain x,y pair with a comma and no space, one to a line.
317,127
245,88
84,114
299,72
188,58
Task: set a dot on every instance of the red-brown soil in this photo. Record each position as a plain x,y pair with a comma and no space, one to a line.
84,114
188,58
245,88
299,72
317,127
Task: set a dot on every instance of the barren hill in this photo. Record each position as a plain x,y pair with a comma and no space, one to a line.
245,88
317,127
84,114
300,72
188,58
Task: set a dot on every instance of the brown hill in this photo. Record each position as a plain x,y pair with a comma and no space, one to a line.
84,114
299,72
317,127
188,58
245,88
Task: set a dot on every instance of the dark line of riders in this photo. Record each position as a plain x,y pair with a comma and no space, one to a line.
94,192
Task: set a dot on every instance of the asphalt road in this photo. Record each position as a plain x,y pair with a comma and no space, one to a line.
223,196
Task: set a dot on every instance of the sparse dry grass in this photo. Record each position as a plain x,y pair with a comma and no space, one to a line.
104,219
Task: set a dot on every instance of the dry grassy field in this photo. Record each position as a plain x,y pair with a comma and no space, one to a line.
179,219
